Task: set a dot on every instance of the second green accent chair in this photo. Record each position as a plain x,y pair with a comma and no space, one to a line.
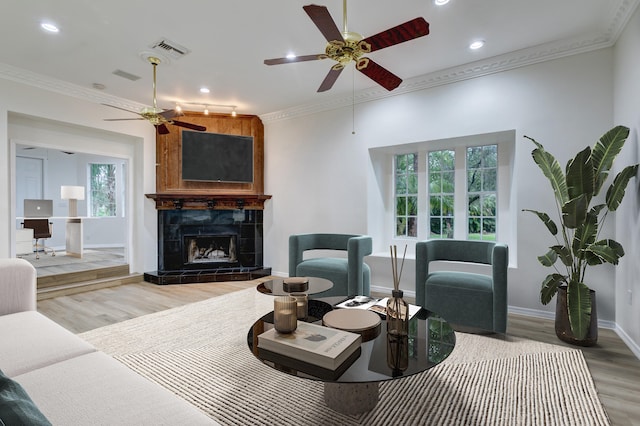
350,275
462,298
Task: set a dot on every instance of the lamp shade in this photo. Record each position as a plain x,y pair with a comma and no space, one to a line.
72,192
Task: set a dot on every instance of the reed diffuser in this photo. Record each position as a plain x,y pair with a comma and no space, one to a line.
397,319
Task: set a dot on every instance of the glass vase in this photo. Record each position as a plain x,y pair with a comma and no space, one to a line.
397,333
285,314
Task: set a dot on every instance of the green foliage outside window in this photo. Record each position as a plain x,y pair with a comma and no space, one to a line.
102,190
406,195
482,172
441,193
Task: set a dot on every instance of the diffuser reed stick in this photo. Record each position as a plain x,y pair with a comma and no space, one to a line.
394,265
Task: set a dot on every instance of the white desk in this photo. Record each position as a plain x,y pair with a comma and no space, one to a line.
74,237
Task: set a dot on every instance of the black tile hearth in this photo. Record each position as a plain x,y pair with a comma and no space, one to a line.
208,245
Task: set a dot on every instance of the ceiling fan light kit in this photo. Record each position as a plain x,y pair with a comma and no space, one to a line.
346,47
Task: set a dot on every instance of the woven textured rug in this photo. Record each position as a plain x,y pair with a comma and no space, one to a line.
199,352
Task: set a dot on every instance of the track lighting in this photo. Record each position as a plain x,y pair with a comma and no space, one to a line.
206,107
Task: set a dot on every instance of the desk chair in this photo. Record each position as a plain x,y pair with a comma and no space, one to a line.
465,299
42,229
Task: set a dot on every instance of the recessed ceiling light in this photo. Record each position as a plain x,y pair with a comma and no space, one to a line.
204,90
48,26
476,44
291,56
440,2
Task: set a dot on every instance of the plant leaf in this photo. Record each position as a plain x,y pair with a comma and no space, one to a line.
564,254
605,152
574,212
579,308
585,235
548,259
550,287
617,188
609,251
550,224
580,175
552,170
595,210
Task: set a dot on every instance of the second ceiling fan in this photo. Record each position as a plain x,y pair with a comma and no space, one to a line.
344,47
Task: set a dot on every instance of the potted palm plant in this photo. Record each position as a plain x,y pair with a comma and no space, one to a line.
581,215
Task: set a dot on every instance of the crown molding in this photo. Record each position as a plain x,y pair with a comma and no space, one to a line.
40,81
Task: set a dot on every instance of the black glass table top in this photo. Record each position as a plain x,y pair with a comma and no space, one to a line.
275,286
429,342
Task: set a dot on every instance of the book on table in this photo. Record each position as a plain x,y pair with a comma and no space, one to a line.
325,347
378,306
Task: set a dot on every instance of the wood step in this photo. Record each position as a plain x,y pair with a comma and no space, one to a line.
58,280
68,289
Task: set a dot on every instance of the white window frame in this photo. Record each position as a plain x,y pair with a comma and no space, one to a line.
382,226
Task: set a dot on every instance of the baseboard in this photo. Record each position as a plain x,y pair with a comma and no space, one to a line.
633,346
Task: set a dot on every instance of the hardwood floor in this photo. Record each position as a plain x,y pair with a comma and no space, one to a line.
615,370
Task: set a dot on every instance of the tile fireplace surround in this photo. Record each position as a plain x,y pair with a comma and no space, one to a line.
209,245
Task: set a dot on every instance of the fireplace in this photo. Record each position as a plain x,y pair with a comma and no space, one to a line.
199,250
207,245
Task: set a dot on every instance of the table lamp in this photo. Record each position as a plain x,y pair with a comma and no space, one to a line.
73,194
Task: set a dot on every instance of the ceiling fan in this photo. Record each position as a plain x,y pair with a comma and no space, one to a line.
344,47
158,116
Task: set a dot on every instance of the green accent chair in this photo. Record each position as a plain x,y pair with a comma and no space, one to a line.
350,275
470,300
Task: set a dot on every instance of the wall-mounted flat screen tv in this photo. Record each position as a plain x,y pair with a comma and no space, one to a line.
216,157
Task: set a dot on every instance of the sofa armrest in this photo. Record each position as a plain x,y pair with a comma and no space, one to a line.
18,281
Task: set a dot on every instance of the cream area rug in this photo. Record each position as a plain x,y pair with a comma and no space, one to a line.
199,352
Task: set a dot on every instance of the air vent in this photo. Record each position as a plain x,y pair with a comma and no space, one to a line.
126,75
169,48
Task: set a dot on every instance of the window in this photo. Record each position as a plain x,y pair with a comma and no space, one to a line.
102,190
456,196
482,172
406,195
441,184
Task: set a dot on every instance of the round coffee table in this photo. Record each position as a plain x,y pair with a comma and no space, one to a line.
274,287
431,340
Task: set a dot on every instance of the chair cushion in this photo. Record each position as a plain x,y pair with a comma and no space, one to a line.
465,280
331,265
332,269
16,408
461,298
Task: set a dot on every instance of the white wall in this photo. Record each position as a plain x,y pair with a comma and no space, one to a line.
627,111
320,175
78,125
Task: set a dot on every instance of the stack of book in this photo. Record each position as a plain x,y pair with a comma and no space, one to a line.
319,351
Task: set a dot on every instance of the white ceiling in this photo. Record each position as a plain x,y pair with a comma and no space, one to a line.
228,42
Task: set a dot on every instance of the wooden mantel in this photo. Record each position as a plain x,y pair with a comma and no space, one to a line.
175,193
208,201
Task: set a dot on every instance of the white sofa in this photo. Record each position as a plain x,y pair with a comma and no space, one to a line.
70,381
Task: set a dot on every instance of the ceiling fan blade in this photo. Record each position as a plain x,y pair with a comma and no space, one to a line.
122,109
162,129
278,61
330,79
378,73
170,113
322,18
189,125
404,32
122,119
